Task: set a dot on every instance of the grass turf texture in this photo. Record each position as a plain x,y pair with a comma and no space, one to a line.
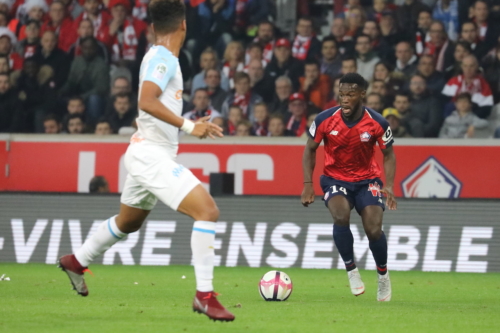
39,298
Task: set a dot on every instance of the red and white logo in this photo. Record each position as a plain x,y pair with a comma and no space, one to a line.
431,180
375,189
365,137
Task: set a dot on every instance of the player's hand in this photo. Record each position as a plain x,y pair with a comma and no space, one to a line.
203,128
307,196
391,202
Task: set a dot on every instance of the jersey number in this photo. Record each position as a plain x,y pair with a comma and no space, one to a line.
341,189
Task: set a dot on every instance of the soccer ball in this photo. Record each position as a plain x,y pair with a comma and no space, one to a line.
275,286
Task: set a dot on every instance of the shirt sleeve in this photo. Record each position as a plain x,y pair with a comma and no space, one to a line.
315,131
385,139
160,71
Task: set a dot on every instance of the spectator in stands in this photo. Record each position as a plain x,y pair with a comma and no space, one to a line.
4,65
394,81
407,14
76,106
61,24
488,27
283,90
378,87
48,54
394,119
38,93
265,36
338,32
10,106
406,60
297,118
462,122
470,34
261,84
124,32
233,61
4,18
355,20
422,32
98,184
7,43
89,77
260,125
213,25
99,18
434,80
243,128
277,126
472,82
379,8
208,60
255,51
366,59
374,101
335,94
85,30
492,72
390,34
284,64
216,93
349,65
314,86
306,45
462,49
123,115
439,46
425,115
446,11
103,127
402,104
27,47
242,97
121,84
51,124
74,124
201,102
234,116
30,10
379,45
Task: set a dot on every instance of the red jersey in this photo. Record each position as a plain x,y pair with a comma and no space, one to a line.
350,147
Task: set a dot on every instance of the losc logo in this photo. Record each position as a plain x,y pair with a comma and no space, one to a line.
431,180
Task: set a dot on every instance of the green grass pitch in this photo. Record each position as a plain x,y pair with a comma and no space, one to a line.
156,299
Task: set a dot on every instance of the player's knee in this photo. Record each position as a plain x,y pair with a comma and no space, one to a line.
209,214
373,234
341,220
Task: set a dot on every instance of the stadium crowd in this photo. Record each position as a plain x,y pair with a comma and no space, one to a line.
433,67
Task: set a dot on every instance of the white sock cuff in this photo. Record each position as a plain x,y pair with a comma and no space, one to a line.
204,226
113,228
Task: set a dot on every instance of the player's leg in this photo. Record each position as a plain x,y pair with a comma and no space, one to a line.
135,207
338,200
200,205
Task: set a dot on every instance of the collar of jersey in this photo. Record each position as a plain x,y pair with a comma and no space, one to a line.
351,124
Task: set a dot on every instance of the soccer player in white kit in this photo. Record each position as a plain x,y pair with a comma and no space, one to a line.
152,171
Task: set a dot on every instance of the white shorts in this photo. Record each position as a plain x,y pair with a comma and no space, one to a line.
153,175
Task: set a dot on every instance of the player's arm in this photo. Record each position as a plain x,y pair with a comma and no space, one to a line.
308,164
149,102
390,172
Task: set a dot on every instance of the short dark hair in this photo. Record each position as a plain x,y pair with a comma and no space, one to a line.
255,45
428,11
277,115
311,62
96,183
102,120
166,15
468,22
363,36
329,39
354,78
73,116
402,93
374,94
240,75
465,45
89,39
349,58
75,98
211,69
200,89
50,117
465,95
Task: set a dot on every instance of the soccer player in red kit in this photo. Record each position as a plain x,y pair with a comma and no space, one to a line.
352,176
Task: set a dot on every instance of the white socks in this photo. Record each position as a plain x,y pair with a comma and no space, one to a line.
202,245
106,235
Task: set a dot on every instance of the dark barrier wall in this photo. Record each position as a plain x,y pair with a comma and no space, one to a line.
428,235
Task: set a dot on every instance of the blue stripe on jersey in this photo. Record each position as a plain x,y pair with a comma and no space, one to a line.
322,116
378,118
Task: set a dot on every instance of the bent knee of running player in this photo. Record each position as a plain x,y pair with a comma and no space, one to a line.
371,217
200,205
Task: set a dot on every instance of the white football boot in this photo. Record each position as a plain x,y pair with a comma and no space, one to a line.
384,288
357,285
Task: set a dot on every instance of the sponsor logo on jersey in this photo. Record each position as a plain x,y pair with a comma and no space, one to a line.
334,132
160,71
365,136
178,94
431,180
312,129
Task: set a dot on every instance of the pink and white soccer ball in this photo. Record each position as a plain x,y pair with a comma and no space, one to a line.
275,286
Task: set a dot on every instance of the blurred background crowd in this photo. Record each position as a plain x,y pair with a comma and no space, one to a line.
258,67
